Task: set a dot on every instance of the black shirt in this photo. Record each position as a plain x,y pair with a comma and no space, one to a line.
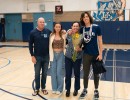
39,42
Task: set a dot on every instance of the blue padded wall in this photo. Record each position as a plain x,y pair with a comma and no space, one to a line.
115,32
128,33
0,31
26,28
66,25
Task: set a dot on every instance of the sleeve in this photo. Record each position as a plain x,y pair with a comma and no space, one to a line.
31,42
82,40
51,38
50,47
48,31
81,30
66,38
99,31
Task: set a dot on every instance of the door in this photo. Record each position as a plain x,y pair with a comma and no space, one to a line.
48,16
13,27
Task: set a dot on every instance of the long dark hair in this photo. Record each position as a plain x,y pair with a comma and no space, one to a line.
54,31
82,16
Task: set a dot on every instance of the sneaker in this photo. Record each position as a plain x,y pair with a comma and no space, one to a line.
96,94
75,93
83,94
58,92
67,93
35,92
53,92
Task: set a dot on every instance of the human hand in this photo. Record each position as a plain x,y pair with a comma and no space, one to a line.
34,60
69,31
120,12
64,31
99,57
78,49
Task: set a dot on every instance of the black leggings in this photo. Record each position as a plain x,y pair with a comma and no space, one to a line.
87,61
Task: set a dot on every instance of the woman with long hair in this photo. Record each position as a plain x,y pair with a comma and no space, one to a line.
56,51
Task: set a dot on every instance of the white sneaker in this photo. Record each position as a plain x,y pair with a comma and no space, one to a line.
58,92
53,92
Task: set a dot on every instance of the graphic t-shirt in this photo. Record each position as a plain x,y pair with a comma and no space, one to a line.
90,39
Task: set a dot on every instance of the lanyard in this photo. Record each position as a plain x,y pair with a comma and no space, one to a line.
86,40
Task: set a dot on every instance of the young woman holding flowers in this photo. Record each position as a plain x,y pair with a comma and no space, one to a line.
56,51
73,59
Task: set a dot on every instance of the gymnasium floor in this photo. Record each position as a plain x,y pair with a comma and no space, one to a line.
17,75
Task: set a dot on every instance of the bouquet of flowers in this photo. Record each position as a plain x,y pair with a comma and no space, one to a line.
76,40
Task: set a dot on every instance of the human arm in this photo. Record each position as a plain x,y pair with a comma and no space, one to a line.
31,47
100,44
123,2
34,59
69,31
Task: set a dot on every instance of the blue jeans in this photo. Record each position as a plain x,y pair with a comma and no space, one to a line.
57,78
42,63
